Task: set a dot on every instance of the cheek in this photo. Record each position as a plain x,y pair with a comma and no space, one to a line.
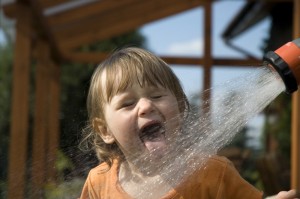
172,116
117,124
171,109
121,126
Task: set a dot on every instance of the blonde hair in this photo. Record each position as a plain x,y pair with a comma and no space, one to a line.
125,67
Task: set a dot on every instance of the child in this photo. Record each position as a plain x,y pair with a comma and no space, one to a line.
136,108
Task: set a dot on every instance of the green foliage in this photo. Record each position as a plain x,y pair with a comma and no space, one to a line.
3,188
65,190
129,39
62,163
6,57
5,82
278,123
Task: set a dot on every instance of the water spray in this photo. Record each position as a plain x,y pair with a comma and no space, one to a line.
234,103
286,61
203,134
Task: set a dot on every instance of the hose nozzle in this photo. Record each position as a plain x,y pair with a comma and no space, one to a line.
286,61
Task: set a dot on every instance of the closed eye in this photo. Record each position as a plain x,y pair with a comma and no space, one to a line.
156,96
127,104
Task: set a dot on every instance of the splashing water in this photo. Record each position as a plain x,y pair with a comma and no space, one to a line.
203,134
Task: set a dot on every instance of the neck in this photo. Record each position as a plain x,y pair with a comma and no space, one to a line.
139,185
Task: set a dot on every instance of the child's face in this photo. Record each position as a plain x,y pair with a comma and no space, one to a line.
142,120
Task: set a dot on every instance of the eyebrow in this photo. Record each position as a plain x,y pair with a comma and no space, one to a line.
120,95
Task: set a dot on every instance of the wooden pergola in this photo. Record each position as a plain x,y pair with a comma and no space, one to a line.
50,31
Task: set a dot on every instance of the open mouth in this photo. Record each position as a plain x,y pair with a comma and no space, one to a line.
152,133
153,137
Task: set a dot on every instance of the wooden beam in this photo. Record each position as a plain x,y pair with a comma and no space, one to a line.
85,57
183,60
86,12
85,24
45,28
42,29
46,120
218,62
11,9
51,3
295,135
38,174
208,61
247,62
61,18
107,25
98,57
20,108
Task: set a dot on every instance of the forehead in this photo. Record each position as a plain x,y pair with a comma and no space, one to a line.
118,80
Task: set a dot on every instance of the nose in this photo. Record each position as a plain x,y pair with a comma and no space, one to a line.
145,106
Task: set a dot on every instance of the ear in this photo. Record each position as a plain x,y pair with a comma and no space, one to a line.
100,126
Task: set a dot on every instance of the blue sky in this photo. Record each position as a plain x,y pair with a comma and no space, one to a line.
182,34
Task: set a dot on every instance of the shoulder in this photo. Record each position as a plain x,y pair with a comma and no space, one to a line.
212,172
228,180
222,168
218,162
100,173
99,179
221,160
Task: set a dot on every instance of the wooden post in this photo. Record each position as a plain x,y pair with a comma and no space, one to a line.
207,62
46,120
295,138
53,120
38,174
20,106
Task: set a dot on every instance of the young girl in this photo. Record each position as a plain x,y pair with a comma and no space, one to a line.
136,108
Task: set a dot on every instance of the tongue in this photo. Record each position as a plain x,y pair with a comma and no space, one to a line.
156,146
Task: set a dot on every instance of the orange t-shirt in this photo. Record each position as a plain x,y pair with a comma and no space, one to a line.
218,179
